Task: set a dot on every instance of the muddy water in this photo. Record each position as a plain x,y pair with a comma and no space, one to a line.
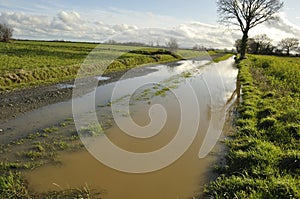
183,178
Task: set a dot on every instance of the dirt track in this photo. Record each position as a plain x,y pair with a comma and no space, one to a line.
14,103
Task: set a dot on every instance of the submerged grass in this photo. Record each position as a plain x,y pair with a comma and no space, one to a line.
263,158
41,147
12,186
37,149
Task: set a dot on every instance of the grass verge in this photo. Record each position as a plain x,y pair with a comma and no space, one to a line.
223,58
263,155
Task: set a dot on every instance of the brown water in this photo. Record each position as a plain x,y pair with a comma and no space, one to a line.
185,177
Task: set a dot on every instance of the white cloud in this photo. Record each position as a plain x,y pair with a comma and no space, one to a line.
71,25
68,21
69,18
277,30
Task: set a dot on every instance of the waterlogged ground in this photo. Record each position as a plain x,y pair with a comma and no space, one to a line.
58,160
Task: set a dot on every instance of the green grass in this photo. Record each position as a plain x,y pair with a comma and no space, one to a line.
140,57
28,63
187,54
264,154
75,193
222,58
13,186
91,130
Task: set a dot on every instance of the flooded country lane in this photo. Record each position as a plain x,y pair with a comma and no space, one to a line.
174,114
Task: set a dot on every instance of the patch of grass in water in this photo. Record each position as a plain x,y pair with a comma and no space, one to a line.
81,193
33,151
91,130
162,92
186,75
12,186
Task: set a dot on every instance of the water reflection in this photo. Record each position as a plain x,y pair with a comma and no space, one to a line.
182,179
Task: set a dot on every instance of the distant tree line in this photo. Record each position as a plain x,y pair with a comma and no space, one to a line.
262,44
131,43
171,44
289,44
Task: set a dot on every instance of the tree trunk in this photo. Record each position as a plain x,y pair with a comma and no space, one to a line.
244,45
288,51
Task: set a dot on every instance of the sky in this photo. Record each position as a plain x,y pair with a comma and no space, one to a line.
190,22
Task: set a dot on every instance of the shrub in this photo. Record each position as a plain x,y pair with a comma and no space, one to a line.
5,32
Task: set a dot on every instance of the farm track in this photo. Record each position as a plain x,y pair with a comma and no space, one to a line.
16,102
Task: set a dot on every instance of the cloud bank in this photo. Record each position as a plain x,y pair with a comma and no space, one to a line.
70,25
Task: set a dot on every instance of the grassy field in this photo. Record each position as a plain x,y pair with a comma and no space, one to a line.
27,63
263,159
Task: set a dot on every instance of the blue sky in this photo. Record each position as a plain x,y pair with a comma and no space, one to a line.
191,10
201,10
56,19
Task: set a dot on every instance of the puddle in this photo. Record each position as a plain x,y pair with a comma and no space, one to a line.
102,78
65,86
183,178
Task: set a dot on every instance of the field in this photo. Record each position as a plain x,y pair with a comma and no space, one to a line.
263,155
27,63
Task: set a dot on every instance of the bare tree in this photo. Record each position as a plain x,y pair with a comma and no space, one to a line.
264,43
172,44
112,42
247,14
198,47
6,32
289,44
